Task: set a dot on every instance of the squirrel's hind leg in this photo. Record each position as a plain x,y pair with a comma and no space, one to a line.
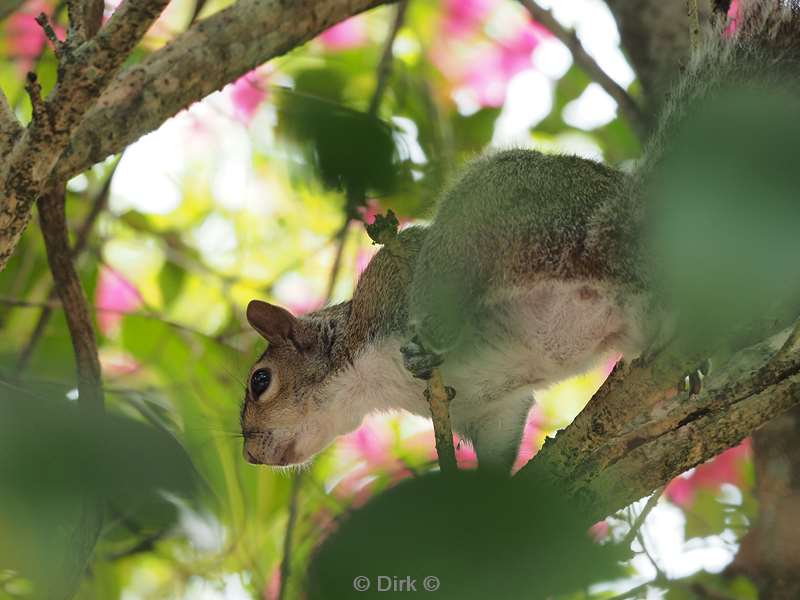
498,434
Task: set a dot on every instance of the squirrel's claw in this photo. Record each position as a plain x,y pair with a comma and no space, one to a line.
419,361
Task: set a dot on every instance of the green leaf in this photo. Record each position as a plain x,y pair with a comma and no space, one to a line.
443,527
170,280
706,516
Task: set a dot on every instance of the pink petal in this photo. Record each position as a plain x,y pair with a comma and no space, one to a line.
464,17
247,93
114,296
350,33
734,17
599,531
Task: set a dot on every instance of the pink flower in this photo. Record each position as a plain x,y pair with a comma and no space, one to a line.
463,17
247,93
599,531
350,33
372,442
273,588
363,256
25,37
530,438
370,211
734,18
725,468
114,297
485,66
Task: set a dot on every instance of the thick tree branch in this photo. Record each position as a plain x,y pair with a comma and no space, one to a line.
85,17
653,441
85,68
627,105
214,52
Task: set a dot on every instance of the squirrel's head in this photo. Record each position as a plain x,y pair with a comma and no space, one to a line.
286,418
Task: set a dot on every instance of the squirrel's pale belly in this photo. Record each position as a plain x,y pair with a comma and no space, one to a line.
534,338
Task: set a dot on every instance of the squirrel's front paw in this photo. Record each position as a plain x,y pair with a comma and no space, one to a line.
419,361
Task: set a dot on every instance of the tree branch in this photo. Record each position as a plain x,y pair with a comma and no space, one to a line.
83,533
627,105
10,127
81,239
653,441
655,38
76,308
244,35
84,71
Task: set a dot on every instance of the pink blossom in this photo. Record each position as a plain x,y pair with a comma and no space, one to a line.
485,66
273,588
114,297
295,293
463,17
350,33
372,442
725,468
530,438
734,18
247,93
369,211
599,531
26,40
118,365
363,257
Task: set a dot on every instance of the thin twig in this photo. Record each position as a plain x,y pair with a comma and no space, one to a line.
76,308
386,63
286,562
439,400
356,197
34,90
340,238
629,107
81,239
85,530
49,33
640,519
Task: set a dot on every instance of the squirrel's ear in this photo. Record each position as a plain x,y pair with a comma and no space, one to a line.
275,324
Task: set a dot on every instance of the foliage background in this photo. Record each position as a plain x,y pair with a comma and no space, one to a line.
256,192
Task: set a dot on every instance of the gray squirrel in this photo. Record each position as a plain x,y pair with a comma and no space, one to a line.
532,271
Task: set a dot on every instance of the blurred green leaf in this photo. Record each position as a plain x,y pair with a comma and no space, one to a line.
348,150
445,527
171,279
725,218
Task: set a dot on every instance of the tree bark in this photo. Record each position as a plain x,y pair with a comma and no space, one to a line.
770,552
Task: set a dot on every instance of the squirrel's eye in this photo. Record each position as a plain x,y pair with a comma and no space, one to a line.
260,382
